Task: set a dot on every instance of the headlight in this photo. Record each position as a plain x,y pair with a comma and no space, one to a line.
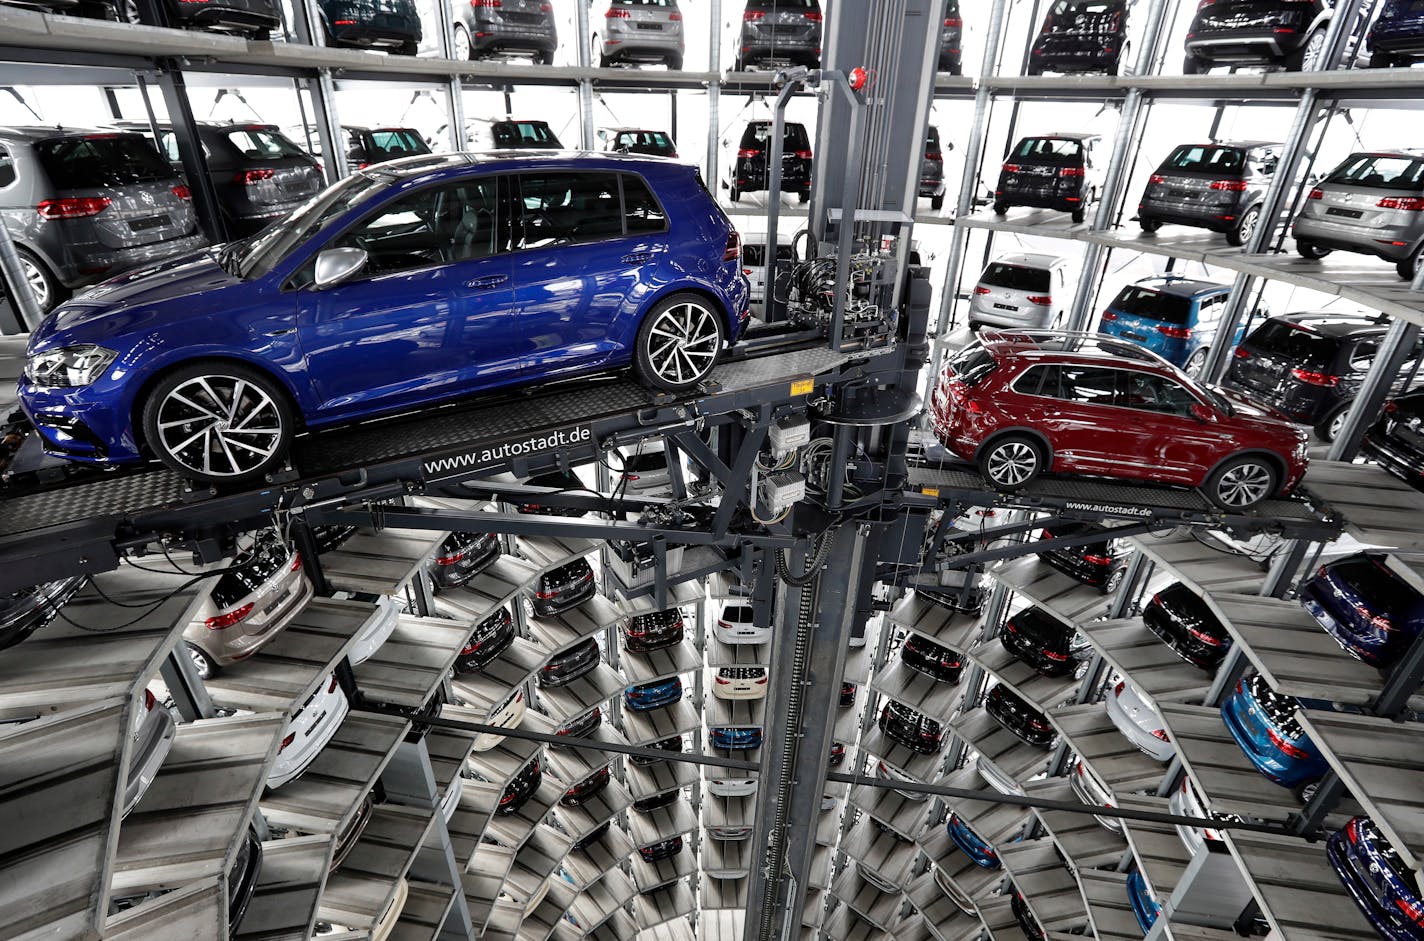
70,366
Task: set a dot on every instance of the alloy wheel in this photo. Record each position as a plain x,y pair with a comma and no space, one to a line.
1337,423
219,426
1314,50
39,283
1195,364
201,662
1245,484
461,45
1013,463
683,343
1248,225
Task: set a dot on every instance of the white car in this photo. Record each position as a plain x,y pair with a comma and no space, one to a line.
1091,790
1022,290
961,901
1187,803
1138,722
375,632
828,802
732,787
532,902
995,777
507,715
877,880
153,731
729,833
739,683
309,730
387,925
882,770
734,626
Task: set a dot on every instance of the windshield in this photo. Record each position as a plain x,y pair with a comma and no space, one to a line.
262,143
277,241
1300,346
1381,171
102,160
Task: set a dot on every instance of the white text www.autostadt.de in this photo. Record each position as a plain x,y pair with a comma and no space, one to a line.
520,447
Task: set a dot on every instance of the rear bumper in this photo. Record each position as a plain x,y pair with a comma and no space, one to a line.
781,51
1404,464
1038,198
1028,315
1369,649
1338,854
1064,54
97,263
1258,44
1216,218
235,14
1399,37
750,178
1088,573
1392,243
489,37
366,34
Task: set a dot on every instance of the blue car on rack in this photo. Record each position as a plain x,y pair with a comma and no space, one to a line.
1372,612
1144,906
406,284
643,697
735,738
1377,880
971,844
1174,317
1263,723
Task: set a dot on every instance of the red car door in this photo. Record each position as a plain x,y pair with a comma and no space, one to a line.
1081,421
1171,444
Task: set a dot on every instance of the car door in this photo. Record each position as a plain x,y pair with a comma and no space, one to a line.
429,316
1083,420
583,265
1158,436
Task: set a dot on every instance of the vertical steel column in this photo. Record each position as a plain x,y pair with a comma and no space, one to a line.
1395,351
714,94
585,84
190,151
454,90
17,288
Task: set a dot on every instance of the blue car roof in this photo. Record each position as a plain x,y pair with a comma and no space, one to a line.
456,163
1182,287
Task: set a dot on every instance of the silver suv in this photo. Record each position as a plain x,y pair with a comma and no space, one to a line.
83,206
506,28
1021,290
780,32
1373,203
640,32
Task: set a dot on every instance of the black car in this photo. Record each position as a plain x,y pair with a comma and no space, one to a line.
1186,623
1080,36
429,709
1216,186
663,849
932,169
593,837
1050,171
671,744
634,140
967,599
350,834
26,610
1395,442
644,633
1397,36
254,19
461,557
1287,34
514,134
561,588
517,793
1100,564
847,694
488,640
915,731
366,146
559,480
1019,716
951,59
780,32
1310,365
1043,642
658,800
751,172
392,25
585,790
837,755
580,726
242,878
504,28
568,665
1027,922
932,659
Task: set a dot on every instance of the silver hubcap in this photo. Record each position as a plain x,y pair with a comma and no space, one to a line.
219,426
462,44
1248,224
1337,424
683,342
1244,485
1195,364
1314,46
39,284
1013,463
200,662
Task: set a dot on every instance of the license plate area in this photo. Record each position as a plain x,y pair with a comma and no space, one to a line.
1005,307
1345,213
149,222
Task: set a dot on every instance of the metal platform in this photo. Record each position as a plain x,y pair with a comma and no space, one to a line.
1099,745
943,918
1084,842
293,873
871,903
1048,888
1299,893
1157,847
1067,599
1109,911
1138,654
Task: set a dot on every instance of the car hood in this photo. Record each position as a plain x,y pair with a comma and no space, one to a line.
1256,414
132,301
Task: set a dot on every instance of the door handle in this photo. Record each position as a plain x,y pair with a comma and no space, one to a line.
490,281
636,258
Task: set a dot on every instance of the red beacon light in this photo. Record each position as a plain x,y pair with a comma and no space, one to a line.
859,78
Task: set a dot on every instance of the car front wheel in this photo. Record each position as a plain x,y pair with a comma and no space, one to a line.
461,44
1241,482
218,422
1012,462
678,343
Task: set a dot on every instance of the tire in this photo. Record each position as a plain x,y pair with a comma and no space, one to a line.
956,69
604,62
663,359
197,412
1114,580
1196,362
1000,208
1409,266
45,286
460,46
1329,427
674,63
735,195
127,11
937,202
1242,482
207,667
1011,462
739,65
1245,228
1308,54
1310,249
544,57
804,196
407,48
1304,792
1383,60
1191,65
1149,224
260,35
1080,215
1034,68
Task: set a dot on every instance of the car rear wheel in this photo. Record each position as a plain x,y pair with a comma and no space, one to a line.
1410,266
674,63
1308,56
937,201
1149,224
734,194
678,342
1114,580
544,57
205,665
1241,482
1329,428
1196,363
1011,462
218,422
460,45
1080,215
1000,208
803,197
1383,60
1310,249
1245,228
44,285
1304,792
407,48
1191,65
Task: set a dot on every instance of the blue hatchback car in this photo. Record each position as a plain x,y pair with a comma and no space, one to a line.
643,697
1372,612
972,845
406,284
1144,906
1263,723
734,738
1174,317
1377,879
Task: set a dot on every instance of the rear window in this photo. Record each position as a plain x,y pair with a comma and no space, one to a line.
1052,149
972,365
517,133
257,143
759,132
1017,278
644,139
102,160
1063,7
1378,171
1154,305
754,254
397,142
783,4
932,141
1298,346
1195,158
670,4
737,614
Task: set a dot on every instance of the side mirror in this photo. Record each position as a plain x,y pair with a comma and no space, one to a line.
1203,414
336,265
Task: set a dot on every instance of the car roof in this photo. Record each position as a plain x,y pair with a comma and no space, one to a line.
423,164
378,127
634,130
1066,135
1401,152
1243,144
1181,287
41,132
1032,260
1333,324
1064,346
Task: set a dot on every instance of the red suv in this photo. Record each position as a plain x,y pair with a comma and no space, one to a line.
1021,403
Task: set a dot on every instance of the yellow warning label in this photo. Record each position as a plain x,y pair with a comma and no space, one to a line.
930,491
803,386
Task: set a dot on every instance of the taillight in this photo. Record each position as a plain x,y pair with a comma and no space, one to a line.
1411,203
545,595
1055,656
1352,830
1109,316
1072,171
814,16
296,561
803,154
675,17
1204,637
761,682
1241,353
1391,407
1011,168
1375,620
291,737
220,621
182,191
1309,377
1317,193
733,251
1285,746
1043,300
1414,912
954,22
331,687
1160,735
449,559
616,14
148,700
933,155
748,152
981,290
722,682
246,177
72,207
1157,178
972,407
1117,690
471,647
1229,186
1093,559
1176,333
749,16
485,3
